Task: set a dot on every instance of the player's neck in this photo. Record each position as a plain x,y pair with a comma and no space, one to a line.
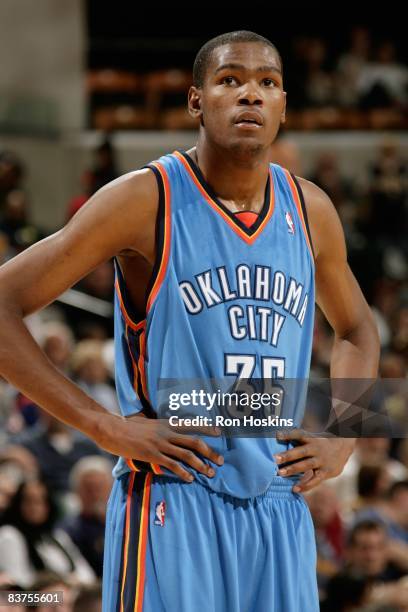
240,186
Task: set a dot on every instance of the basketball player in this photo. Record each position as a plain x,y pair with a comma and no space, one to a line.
219,257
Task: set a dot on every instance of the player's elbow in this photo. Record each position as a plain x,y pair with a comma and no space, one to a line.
8,303
364,335
9,311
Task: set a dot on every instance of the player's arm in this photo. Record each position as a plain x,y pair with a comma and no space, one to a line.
355,352
120,217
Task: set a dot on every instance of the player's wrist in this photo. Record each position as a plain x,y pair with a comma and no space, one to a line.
102,426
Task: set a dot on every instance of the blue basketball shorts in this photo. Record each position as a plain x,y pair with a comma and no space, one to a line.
172,546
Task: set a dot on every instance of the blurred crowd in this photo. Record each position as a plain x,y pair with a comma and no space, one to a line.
55,483
365,73
356,81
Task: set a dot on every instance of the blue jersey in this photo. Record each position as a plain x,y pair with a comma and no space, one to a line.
225,301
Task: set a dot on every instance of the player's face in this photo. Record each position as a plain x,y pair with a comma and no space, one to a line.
242,102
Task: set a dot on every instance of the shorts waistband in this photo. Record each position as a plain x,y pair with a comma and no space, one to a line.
279,488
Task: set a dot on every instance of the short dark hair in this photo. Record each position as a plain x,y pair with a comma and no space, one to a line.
367,480
367,525
344,589
203,57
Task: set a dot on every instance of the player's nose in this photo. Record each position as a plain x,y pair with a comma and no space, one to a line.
250,96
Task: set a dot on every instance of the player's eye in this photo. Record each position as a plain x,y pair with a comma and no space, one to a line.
268,82
229,80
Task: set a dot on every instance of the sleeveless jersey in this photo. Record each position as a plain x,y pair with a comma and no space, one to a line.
224,301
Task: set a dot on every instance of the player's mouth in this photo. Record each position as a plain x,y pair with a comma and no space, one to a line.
249,120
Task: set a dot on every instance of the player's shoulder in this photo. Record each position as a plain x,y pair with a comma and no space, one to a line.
315,198
132,197
138,182
324,222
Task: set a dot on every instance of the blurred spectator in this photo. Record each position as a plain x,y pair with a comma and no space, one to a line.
384,82
6,252
318,84
57,342
7,397
16,464
394,400
389,195
367,553
91,480
346,592
105,169
30,543
403,452
368,451
325,510
15,224
6,584
391,509
327,176
387,506
11,175
102,172
57,448
91,373
399,328
373,482
21,459
51,582
385,304
350,66
8,487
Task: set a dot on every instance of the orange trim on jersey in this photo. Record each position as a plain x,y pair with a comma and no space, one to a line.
166,239
130,464
127,536
249,239
156,469
296,199
143,537
129,321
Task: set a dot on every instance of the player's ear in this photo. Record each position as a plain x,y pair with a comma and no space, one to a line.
283,113
194,102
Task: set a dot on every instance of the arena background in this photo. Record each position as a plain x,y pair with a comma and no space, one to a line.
89,91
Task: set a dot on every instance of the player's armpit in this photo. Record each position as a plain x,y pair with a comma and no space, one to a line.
120,216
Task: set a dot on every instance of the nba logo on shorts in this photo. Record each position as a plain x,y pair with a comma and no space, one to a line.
160,513
290,223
